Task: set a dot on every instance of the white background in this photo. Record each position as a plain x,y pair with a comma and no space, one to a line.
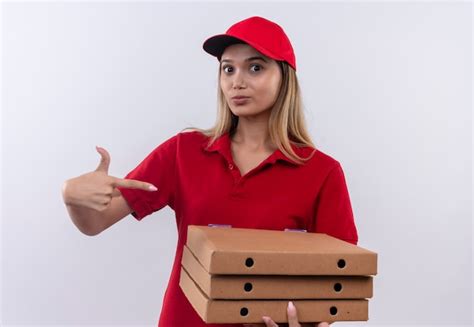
387,89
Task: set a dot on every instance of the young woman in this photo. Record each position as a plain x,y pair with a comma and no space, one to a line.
256,168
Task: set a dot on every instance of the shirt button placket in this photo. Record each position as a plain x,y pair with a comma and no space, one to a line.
237,178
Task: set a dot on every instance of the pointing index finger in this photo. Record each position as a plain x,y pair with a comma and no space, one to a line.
134,184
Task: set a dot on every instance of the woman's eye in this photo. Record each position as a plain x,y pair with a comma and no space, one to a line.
225,67
259,67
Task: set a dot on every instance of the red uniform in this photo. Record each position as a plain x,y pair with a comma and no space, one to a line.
204,186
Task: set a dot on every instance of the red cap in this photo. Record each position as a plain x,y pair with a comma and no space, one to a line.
264,35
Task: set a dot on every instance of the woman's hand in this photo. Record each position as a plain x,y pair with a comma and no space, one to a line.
292,320
96,189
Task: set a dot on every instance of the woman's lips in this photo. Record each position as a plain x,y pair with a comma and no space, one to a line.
239,101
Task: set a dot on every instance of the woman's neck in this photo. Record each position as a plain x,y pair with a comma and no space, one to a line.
253,135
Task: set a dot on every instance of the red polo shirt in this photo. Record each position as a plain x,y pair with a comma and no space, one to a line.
204,186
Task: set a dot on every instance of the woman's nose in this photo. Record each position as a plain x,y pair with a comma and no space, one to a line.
238,81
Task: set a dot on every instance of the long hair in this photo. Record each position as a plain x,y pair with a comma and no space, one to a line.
286,123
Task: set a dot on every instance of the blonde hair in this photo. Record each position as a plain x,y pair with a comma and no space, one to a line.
286,123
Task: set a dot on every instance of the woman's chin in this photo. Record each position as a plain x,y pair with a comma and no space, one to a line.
242,111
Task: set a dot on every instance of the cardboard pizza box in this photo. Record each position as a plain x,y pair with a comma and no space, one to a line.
245,251
251,311
276,286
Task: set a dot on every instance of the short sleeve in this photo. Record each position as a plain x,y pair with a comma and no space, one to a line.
158,168
333,210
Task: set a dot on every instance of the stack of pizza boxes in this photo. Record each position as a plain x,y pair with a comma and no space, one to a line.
238,275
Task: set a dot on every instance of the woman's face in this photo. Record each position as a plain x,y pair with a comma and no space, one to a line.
246,72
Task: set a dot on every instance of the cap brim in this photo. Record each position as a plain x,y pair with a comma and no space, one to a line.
216,44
